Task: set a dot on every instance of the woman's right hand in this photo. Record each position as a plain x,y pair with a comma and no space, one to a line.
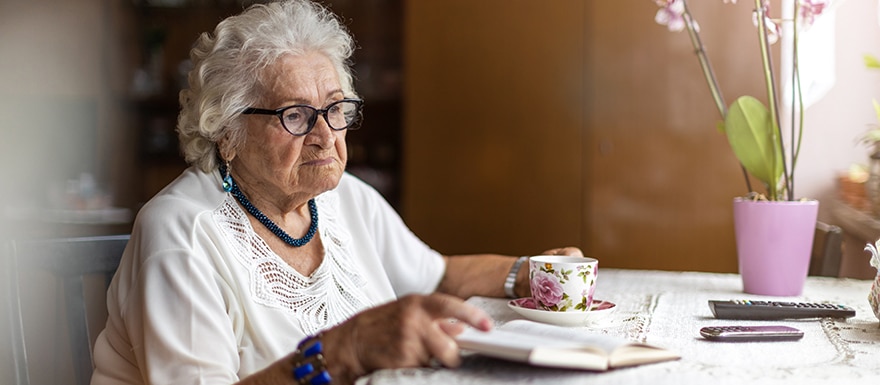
409,332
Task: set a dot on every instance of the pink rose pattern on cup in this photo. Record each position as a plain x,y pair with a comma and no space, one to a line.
549,290
549,294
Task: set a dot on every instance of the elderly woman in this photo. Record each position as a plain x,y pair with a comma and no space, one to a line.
265,262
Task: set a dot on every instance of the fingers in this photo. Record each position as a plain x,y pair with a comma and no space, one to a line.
441,306
441,346
412,331
451,327
447,311
570,251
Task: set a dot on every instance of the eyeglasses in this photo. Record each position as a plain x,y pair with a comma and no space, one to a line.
300,119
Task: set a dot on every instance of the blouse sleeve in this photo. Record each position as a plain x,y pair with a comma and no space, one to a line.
411,265
183,334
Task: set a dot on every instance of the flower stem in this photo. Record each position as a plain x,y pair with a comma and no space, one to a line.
770,82
709,74
704,62
796,88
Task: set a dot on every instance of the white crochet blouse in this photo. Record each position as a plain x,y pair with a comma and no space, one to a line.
199,298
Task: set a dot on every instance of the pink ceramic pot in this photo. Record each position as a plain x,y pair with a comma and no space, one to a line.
774,241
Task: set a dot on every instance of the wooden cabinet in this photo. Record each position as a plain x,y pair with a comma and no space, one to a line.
161,34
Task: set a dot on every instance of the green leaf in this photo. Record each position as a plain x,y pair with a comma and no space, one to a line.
871,61
582,306
752,136
876,109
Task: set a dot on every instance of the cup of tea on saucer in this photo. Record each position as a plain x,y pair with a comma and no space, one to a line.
562,283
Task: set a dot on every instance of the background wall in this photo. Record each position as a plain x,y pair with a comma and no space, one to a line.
835,123
60,111
494,110
586,123
59,72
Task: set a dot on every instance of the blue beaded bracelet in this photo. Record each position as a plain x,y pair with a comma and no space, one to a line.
309,367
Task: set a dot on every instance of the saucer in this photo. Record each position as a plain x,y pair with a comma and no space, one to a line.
526,308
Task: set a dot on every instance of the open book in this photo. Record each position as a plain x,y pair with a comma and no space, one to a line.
555,346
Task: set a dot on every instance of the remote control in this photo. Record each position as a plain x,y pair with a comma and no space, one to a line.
774,310
751,333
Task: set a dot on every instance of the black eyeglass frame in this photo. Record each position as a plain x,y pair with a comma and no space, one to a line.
353,125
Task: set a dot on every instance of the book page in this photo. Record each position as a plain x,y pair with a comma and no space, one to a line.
620,352
636,354
550,345
535,349
602,342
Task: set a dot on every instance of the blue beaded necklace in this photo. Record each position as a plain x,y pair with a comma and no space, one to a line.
229,185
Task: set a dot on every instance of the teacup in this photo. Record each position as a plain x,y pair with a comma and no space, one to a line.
563,283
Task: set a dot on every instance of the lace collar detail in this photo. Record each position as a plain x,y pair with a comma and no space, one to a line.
334,291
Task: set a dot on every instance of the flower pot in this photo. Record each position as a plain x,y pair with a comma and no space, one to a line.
774,241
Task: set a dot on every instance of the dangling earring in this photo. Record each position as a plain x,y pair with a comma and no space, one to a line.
227,179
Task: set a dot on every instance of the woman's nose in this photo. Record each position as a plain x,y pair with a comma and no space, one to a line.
321,133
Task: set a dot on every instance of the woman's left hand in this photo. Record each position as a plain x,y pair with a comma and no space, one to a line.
570,251
522,287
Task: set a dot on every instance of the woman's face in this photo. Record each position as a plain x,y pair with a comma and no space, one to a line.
273,161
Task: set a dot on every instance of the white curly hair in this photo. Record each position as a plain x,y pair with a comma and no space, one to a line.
227,68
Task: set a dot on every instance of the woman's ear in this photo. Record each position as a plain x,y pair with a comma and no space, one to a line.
227,152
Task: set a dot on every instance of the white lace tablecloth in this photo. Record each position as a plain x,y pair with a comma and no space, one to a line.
668,309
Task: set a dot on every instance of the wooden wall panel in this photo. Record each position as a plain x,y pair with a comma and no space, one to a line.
661,178
573,122
494,110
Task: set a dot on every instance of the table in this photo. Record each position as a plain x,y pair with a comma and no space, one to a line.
668,309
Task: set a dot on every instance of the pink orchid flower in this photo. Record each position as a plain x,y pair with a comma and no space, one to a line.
670,14
810,9
774,29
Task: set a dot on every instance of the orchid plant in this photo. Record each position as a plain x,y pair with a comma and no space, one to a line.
754,130
872,137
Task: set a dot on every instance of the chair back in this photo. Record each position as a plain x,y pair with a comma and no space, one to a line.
827,250
70,260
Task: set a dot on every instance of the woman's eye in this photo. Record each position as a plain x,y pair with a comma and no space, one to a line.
293,116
